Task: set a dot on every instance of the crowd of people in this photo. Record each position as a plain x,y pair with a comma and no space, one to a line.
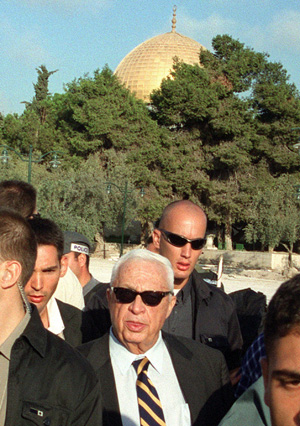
157,345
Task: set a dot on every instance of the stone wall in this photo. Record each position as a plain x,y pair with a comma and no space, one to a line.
276,261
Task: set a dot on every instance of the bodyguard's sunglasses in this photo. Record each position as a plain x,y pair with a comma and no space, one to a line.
149,298
179,241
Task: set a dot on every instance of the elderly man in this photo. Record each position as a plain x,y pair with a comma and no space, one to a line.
43,381
188,381
202,312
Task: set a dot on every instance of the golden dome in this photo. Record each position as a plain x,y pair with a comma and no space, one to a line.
142,70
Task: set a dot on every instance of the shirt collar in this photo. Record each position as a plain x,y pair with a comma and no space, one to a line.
56,324
185,292
89,285
123,358
6,346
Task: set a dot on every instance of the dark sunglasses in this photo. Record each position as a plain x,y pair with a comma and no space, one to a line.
179,241
150,298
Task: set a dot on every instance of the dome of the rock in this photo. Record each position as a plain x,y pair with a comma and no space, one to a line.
142,70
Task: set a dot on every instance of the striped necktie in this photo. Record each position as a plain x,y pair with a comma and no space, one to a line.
151,413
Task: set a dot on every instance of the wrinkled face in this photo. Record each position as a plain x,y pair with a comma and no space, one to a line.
135,324
44,279
282,381
189,224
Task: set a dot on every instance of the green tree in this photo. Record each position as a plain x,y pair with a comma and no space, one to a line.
39,103
275,216
224,103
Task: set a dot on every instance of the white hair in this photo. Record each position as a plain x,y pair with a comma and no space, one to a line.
148,256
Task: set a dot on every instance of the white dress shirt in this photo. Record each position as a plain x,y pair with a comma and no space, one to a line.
162,374
56,324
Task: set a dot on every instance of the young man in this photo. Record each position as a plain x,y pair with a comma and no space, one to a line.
203,312
21,196
43,380
62,319
281,367
279,388
77,249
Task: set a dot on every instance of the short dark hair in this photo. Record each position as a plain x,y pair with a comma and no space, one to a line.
18,195
48,233
17,242
283,314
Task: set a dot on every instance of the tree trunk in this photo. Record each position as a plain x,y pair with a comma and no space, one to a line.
228,231
220,238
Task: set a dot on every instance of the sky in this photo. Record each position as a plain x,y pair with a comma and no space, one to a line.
76,37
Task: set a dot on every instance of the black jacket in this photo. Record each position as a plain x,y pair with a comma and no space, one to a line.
72,319
49,382
202,375
215,321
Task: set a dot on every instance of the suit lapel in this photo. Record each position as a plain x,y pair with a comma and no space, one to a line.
100,359
181,357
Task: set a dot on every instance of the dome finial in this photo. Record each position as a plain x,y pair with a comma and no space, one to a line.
174,19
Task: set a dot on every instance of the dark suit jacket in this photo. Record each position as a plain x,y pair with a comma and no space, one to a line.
72,319
201,371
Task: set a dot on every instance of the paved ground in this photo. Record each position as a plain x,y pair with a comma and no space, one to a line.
265,281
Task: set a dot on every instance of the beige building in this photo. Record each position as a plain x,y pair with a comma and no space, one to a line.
142,70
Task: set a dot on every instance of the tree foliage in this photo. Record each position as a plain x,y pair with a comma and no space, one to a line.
219,134
275,213
243,109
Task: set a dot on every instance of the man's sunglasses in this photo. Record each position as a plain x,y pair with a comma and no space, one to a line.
150,298
179,241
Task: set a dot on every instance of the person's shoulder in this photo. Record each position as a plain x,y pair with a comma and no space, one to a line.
66,307
189,347
98,297
58,347
93,348
51,350
249,409
97,354
210,289
98,286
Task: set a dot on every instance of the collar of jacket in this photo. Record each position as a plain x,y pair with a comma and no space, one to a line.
35,333
200,287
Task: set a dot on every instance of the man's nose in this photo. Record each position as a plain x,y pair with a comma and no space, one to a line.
186,250
137,306
36,282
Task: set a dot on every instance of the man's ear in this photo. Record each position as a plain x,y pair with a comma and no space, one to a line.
63,266
265,373
81,259
10,273
156,236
